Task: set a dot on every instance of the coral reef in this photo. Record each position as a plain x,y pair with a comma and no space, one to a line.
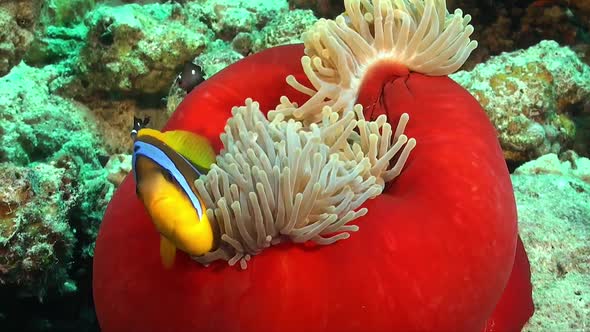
554,217
227,18
60,32
502,26
135,49
53,191
528,95
38,125
218,55
36,241
285,28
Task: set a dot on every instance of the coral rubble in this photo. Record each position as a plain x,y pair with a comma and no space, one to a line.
528,95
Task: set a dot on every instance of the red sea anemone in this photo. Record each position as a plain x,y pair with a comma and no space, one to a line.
437,251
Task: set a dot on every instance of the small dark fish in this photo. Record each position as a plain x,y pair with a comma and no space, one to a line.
138,124
191,76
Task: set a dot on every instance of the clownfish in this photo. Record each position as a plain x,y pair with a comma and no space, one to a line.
165,166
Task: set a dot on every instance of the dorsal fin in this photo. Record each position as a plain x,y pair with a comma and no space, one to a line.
195,148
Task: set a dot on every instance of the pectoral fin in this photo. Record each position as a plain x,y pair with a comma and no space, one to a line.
167,252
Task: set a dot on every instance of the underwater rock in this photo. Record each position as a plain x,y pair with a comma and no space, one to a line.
17,22
281,28
527,95
118,167
582,8
95,190
503,26
284,29
218,55
136,49
323,8
38,125
36,239
227,18
554,219
571,166
64,13
56,44
133,49
60,32
114,121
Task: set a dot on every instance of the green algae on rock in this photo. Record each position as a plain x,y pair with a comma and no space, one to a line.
139,49
284,29
38,125
63,13
49,215
526,94
17,22
60,32
218,55
52,184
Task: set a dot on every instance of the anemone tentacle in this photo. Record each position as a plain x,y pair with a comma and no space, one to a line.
418,34
279,180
